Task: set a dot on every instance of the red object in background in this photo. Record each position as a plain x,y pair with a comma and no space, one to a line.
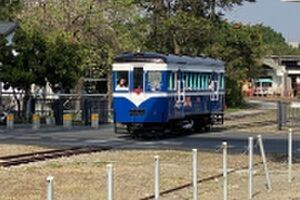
138,90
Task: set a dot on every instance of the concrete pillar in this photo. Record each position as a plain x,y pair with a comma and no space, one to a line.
95,120
10,121
67,121
36,124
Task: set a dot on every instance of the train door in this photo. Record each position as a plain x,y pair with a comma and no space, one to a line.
138,79
180,88
180,92
214,87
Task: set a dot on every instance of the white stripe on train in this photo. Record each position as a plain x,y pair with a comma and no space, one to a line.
138,99
166,67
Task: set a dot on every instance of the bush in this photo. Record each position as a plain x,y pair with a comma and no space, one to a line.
234,96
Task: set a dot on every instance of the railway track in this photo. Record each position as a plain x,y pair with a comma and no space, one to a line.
19,159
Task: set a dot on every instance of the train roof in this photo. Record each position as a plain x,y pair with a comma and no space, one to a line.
149,57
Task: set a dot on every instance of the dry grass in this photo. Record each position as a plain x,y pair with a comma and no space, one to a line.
261,123
84,177
7,149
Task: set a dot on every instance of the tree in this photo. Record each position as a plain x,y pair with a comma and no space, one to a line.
63,62
24,66
274,42
8,9
39,58
241,48
102,28
194,28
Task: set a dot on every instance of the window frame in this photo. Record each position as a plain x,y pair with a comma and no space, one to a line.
147,82
172,76
116,80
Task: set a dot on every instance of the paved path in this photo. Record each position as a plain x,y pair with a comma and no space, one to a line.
58,137
82,136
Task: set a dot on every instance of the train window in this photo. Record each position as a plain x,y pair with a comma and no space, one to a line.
209,82
121,81
195,81
172,81
193,85
204,82
191,81
154,80
186,80
200,82
138,79
221,81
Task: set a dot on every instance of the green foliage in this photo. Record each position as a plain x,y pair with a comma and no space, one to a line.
8,9
30,53
35,58
63,61
6,60
193,28
102,28
234,96
56,58
66,37
241,49
274,42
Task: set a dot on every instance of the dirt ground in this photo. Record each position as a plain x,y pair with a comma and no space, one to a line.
7,149
84,177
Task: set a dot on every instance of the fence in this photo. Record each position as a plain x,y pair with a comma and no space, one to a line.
81,109
288,114
192,189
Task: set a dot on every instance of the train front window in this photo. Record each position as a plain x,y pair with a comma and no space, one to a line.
121,81
154,81
138,79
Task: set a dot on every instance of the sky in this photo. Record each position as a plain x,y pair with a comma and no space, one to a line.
283,17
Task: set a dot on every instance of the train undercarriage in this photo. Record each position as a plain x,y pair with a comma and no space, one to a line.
190,124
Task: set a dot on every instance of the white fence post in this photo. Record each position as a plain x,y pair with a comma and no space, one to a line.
156,177
290,154
110,186
250,172
262,151
50,188
195,179
225,193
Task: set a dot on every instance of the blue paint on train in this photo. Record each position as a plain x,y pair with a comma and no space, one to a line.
154,110
164,109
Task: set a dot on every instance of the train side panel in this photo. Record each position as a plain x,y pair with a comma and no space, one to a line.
153,110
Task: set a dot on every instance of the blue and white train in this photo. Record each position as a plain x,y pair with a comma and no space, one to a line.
155,91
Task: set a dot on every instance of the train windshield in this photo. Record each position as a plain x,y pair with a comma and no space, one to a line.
154,81
138,79
121,81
